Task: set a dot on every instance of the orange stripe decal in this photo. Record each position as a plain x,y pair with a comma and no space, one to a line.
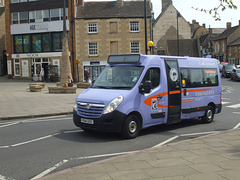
187,101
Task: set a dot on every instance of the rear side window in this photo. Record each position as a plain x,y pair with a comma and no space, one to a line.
199,77
153,75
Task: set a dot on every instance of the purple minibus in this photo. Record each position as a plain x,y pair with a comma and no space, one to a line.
137,91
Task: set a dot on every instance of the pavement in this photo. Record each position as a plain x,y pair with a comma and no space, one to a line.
211,157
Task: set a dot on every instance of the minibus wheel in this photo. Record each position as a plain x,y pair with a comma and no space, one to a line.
131,127
209,115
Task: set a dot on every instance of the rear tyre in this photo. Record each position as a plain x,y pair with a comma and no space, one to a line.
209,115
131,127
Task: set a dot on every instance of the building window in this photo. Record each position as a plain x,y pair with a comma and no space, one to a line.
17,67
46,42
23,17
45,15
36,43
55,14
26,44
14,18
134,26
57,42
238,50
223,48
93,49
32,16
135,47
113,27
18,44
92,28
66,13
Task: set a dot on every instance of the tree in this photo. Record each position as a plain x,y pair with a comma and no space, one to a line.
223,5
65,68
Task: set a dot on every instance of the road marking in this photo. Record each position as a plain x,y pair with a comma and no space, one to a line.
50,170
201,133
5,178
165,142
234,106
34,140
237,126
10,124
73,131
4,147
225,102
236,112
104,155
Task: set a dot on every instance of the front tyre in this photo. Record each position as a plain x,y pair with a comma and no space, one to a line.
131,127
209,115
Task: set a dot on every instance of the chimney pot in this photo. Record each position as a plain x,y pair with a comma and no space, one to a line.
229,25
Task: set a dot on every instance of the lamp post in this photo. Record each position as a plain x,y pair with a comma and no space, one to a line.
150,45
145,20
178,15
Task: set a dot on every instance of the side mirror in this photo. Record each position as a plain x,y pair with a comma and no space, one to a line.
145,87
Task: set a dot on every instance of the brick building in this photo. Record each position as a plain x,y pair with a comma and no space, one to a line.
104,28
2,39
34,36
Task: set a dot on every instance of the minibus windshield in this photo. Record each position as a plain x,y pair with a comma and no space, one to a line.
118,77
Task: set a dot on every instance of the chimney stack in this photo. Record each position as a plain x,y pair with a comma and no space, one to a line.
229,25
204,25
165,3
119,1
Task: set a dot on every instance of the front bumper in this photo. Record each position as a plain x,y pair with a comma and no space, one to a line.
111,122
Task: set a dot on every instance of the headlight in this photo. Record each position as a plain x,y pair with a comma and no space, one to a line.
113,104
75,107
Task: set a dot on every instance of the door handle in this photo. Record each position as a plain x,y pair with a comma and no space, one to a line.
159,97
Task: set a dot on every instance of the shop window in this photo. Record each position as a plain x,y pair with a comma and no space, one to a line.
36,43
135,47
46,42
57,42
18,44
26,44
17,67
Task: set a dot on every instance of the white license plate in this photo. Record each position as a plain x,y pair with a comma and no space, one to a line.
87,121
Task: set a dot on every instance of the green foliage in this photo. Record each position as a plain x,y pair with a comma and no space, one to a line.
223,5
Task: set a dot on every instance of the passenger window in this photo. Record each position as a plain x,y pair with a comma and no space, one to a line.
153,75
211,78
196,78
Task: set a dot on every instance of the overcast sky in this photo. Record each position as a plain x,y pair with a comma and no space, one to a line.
186,10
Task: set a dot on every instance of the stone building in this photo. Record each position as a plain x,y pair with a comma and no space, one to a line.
104,28
225,44
2,39
170,25
34,37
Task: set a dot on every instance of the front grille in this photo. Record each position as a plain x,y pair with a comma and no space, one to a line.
89,110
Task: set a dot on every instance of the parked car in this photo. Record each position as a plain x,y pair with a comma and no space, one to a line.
224,63
220,67
227,70
237,66
235,75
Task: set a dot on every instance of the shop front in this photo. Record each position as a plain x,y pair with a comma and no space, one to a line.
28,66
94,68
